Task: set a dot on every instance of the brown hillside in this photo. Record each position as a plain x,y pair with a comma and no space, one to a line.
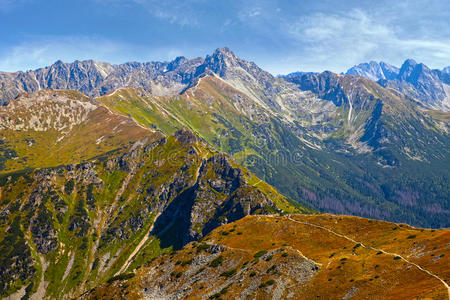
299,257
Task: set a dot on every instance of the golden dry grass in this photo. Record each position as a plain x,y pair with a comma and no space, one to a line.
345,249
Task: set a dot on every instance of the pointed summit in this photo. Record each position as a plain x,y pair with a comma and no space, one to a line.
412,71
176,63
407,68
409,62
419,81
58,62
221,60
223,51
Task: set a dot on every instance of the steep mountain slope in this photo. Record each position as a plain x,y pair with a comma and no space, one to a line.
86,192
339,143
96,78
364,160
416,80
84,76
298,257
374,71
430,87
376,117
91,189
69,228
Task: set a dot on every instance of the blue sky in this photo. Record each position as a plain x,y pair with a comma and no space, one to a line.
280,36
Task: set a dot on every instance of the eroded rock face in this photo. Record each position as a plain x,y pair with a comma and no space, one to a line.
430,87
219,196
220,270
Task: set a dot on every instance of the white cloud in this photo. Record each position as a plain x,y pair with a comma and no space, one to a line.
342,40
254,12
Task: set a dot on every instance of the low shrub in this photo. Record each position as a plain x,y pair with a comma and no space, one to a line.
260,253
123,276
216,262
267,283
229,273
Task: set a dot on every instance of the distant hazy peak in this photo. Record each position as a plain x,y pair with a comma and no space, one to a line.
374,70
411,70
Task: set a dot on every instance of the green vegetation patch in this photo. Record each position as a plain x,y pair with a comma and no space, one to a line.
123,276
260,253
216,262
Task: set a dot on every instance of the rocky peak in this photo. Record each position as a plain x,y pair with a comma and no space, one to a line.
58,63
176,63
417,73
418,81
225,51
407,68
221,60
374,70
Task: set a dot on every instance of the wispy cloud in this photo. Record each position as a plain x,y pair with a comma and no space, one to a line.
339,40
279,35
183,13
8,5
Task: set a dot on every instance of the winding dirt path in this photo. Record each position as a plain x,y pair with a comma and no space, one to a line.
375,249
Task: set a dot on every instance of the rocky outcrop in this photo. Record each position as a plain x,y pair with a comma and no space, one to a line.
219,196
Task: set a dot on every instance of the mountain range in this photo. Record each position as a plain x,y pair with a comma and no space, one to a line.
416,80
343,144
125,178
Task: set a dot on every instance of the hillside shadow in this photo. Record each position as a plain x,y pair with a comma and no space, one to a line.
172,226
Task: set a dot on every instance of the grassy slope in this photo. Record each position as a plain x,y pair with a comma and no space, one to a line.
101,132
361,184
114,210
333,256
